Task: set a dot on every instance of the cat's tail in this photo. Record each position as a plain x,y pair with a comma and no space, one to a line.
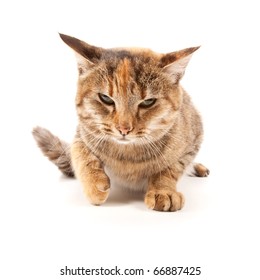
56,150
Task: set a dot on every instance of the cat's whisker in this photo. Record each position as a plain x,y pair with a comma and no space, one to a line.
150,149
154,147
96,140
94,143
152,142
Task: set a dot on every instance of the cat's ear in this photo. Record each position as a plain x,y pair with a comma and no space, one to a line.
86,54
175,63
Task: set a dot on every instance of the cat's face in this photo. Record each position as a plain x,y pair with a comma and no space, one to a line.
127,96
129,103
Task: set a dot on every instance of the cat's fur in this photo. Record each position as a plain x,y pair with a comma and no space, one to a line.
137,126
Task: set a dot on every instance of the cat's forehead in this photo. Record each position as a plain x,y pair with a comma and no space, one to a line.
130,71
130,63
133,55
132,52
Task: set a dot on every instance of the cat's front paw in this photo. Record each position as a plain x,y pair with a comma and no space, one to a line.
97,188
162,200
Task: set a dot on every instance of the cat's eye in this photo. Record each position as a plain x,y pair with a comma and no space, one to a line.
147,103
106,99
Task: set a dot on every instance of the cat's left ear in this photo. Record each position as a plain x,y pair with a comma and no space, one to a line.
175,63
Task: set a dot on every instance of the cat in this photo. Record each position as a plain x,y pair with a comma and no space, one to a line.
137,126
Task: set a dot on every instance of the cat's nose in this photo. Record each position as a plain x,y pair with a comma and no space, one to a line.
124,130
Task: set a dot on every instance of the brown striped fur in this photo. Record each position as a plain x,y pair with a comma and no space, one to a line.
122,140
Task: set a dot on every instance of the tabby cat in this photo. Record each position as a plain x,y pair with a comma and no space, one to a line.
137,127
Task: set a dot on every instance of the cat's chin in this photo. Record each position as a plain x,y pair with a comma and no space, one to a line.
123,140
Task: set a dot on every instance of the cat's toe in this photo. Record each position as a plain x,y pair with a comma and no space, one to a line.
98,190
177,200
157,201
164,200
96,196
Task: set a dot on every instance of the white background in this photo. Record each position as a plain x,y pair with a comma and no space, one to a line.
46,222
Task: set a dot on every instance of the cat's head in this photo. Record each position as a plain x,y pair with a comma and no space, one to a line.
128,95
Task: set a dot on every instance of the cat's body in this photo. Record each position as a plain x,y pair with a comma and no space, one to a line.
137,126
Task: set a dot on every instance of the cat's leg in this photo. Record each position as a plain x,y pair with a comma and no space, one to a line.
161,193
88,169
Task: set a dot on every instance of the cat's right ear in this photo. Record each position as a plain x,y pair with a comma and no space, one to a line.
86,54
